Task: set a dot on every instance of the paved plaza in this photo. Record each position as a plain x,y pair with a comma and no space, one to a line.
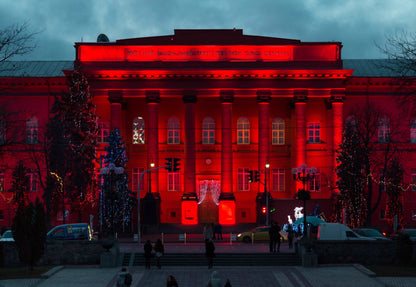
194,276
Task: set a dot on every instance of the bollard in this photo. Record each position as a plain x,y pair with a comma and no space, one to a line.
252,238
184,238
231,238
162,238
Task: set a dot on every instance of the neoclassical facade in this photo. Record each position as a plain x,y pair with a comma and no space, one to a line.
225,104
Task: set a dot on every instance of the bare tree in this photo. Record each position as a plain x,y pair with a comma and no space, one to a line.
16,40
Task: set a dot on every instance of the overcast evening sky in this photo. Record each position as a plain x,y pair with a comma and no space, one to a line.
358,24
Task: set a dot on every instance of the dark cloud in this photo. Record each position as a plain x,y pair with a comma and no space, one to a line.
357,24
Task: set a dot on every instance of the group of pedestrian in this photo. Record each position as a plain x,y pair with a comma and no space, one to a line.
159,251
214,281
212,231
274,237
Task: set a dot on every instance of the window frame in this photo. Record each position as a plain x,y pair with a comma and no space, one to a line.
135,175
33,180
314,132
278,179
278,131
243,131
138,131
242,179
314,184
32,130
413,130
173,181
208,131
384,130
103,132
173,131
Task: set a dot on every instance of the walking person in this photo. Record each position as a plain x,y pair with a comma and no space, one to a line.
208,232
147,253
218,230
171,282
274,238
209,252
159,250
290,235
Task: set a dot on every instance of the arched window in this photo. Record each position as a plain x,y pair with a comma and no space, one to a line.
32,130
413,130
2,131
208,131
138,131
384,130
173,131
243,131
278,131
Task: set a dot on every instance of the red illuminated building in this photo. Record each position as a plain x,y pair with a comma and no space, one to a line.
224,103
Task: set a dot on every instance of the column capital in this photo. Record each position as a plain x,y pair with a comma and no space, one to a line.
263,96
189,97
115,96
337,96
227,96
300,96
152,96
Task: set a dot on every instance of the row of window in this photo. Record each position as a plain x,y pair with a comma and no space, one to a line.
31,131
33,181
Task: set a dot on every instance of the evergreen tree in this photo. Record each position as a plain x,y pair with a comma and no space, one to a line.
394,179
118,200
29,232
20,184
72,134
351,180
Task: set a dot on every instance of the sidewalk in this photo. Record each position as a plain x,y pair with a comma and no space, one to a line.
194,276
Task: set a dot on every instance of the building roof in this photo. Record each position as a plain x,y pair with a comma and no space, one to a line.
35,69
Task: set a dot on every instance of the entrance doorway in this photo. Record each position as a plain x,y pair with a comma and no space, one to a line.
209,191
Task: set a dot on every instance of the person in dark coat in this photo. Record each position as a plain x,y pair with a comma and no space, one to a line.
218,230
171,282
274,237
228,283
209,252
290,235
159,250
147,253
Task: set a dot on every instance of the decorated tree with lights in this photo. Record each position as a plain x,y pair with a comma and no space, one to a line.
72,137
351,179
394,190
118,201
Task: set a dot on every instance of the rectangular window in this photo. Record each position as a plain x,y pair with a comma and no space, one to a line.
278,175
314,184
2,187
314,132
243,184
208,132
103,132
173,181
1,215
136,171
278,132
32,131
33,178
413,179
2,132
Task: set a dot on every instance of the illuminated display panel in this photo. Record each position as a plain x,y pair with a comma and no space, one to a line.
207,53
189,212
227,212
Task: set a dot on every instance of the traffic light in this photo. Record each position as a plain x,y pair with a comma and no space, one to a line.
176,164
263,210
168,164
257,176
250,175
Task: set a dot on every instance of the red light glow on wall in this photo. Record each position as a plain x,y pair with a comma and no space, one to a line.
189,212
227,212
207,53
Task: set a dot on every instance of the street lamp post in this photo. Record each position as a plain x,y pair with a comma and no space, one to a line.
266,168
107,171
303,174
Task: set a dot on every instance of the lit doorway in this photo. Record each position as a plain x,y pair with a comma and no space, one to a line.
209,191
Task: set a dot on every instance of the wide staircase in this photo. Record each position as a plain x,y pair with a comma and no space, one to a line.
221,259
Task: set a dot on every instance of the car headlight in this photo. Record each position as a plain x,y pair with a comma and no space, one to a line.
239,235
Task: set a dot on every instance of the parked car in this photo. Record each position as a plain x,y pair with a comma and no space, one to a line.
7,236
370,232
73,231
338,231
410,232
260,233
